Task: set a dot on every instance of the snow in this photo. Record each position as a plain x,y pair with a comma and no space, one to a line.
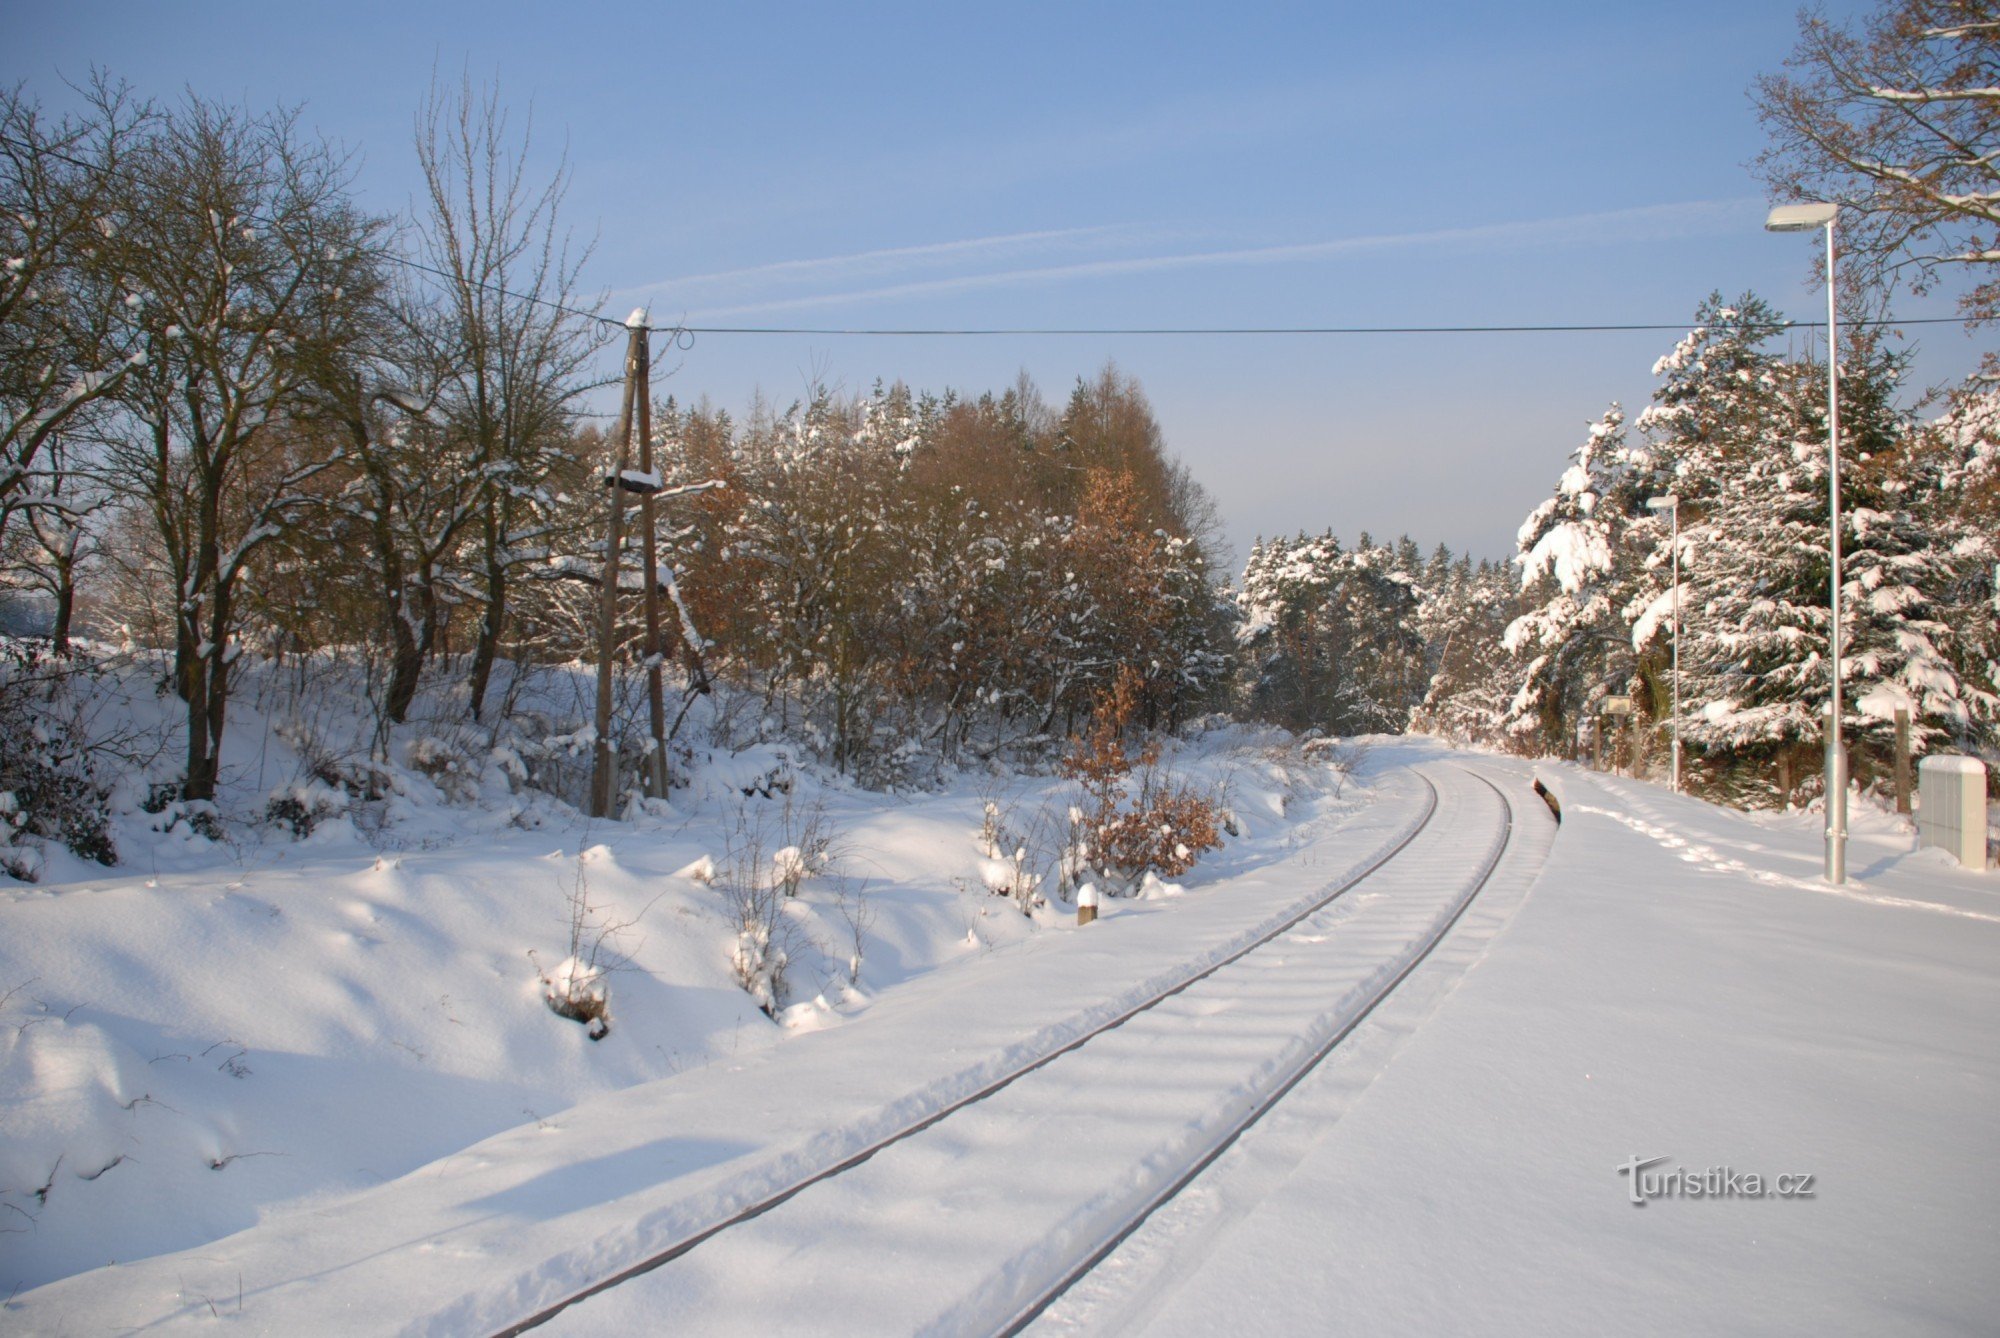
1960,766
1573,552
1678,984
323,1077
264,1027
1657,613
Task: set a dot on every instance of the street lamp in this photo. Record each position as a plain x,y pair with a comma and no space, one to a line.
1672,504
1804,218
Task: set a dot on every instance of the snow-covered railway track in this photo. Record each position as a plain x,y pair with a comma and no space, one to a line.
1047,1296
1010,1194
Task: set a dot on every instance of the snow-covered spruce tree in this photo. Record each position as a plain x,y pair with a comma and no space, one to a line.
1463,615
1950,486
1748,448
1289,660
1329,634
1754,606
1376,610
1970,436
1899,570
1571,645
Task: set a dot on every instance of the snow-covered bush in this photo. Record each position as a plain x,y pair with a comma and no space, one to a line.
450,764
579,991
759,889
580,988
348,770
808,845
303,807
51,786
1165,831
1010,860
1162,828
759,959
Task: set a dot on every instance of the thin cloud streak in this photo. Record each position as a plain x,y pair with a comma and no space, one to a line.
886,260
1646,223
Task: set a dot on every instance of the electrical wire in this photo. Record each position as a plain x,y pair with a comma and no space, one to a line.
1276,330
682,336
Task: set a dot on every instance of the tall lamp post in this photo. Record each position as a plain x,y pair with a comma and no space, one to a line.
1672,503
1804,218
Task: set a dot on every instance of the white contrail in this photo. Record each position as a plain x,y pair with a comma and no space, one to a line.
1646,222
886,260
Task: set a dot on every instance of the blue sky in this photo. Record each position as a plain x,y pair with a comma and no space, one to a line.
1075,165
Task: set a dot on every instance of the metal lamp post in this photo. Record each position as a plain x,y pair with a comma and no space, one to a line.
1672,503
1804,218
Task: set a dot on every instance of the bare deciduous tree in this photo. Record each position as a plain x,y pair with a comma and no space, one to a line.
1899,123
520,353
239,238
63,348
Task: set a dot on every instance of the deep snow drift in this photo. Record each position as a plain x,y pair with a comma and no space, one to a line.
212,1033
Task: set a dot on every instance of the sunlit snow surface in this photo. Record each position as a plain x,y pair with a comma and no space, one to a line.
214,1036
1676,983
1679,984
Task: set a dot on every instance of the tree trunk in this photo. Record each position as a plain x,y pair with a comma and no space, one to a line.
65,603
487,648
218,677
406,664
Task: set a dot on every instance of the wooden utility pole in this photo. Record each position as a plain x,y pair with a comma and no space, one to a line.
604,778
656,764
1902,759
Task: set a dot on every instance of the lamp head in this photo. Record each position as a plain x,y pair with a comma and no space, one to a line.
1668,503
1801,217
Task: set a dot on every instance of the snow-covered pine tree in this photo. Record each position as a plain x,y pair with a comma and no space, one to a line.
1745,432
1961,508
1331,633
1463,616
1898,572
1571,645
1288,656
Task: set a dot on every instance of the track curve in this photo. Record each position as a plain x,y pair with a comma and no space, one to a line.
1246,1029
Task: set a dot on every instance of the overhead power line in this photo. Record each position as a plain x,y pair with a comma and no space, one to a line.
921,332
683,334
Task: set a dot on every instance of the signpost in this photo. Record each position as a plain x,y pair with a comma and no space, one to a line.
1618,706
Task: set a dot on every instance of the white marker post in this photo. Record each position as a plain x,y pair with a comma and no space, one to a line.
1086,903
